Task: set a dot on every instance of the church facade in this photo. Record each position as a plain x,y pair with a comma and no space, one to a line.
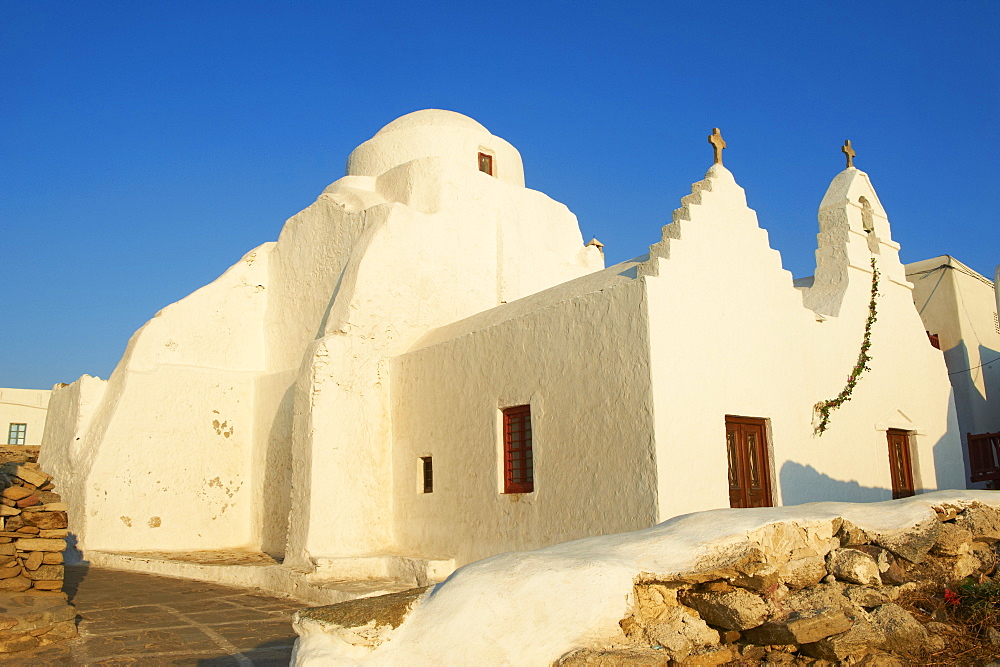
430,363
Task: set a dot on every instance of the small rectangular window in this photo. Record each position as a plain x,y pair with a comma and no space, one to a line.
15,436
518,469
427,469
486,163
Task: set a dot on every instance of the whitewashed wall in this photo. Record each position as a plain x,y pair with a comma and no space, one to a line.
24,406
579,355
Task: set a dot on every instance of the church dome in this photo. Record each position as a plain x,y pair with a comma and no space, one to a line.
447,136
432,117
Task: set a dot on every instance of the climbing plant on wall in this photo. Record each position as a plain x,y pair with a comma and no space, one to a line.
824,408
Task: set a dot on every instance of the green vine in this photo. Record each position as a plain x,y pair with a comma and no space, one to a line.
826,407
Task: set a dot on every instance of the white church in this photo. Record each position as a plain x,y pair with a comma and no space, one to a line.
431,363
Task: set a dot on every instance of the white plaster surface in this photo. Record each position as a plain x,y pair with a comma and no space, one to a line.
530,608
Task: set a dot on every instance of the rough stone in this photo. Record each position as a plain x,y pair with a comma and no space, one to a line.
34,477
10,571
817,597
48,584
903,633
27,502
681,632
47,572
6,511
49,497
15,584
912,544
850,535
937,628
33,560
28,530
7,549
853,566
803,572
953,540
46,520
965,565
800,627
54,533
864,596
52,558
15,493
982,521
863,637
711,657
12,523
889,568
738,609
761,581
40,544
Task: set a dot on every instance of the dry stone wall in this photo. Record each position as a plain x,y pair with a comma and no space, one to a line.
33,532
807,595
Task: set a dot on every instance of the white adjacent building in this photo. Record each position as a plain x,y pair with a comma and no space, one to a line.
431,363
959,309
22,413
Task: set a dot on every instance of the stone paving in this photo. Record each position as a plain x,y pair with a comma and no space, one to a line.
129,618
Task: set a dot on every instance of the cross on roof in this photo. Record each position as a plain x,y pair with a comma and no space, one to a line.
849,152
718,143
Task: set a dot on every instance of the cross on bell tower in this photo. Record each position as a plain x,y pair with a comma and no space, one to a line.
718,143
849,152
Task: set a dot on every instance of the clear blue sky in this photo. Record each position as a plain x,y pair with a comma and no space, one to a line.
146,146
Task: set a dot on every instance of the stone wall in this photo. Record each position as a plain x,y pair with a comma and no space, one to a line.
855,583
33,532
807,597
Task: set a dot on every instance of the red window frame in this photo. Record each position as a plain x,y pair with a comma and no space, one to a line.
518,464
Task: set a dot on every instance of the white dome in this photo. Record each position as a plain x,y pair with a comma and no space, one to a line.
439,134
432,117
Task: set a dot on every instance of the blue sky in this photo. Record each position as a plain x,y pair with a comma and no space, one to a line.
147,146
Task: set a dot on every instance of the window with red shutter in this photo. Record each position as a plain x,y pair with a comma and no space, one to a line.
518,470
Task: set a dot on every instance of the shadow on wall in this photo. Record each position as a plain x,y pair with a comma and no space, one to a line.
804,484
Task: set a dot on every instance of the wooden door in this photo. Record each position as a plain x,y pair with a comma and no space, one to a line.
749,466
899,463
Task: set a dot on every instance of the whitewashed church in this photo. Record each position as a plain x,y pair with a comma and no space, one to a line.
431,363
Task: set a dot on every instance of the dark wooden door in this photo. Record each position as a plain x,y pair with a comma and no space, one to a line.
749,467
899,463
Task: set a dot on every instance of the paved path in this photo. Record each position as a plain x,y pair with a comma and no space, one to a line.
129,618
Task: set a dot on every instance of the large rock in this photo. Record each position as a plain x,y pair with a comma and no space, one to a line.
45,520
40,544
800,628
803,572
903,633
912,543
681,632
738,609
863,638
953,540
853,566
982,521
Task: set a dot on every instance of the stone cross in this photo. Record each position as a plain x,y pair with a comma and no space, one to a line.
718,143
849,152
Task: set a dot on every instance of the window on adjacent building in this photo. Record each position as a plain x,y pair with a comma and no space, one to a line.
15,436
486,163
427,470
518,471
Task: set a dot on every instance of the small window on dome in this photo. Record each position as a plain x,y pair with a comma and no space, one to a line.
486,163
